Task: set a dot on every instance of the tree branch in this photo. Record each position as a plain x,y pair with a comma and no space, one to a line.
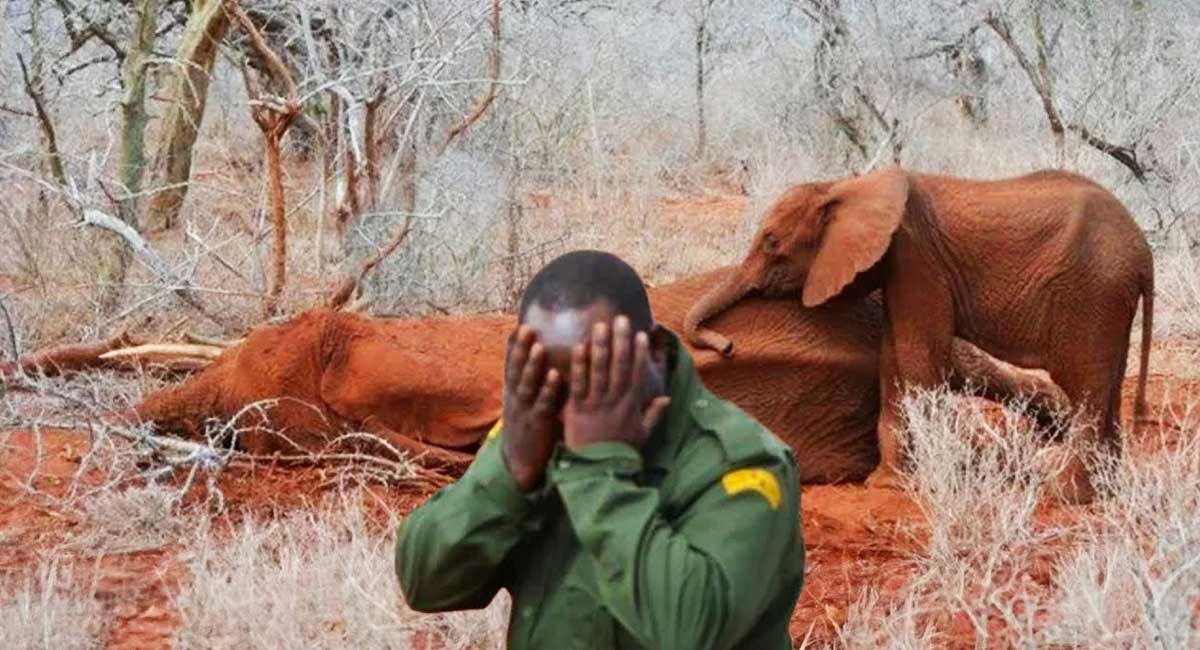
80,36
276,65
1125,155
494,71
34,91
274,117
1040,77
1002,29
947,48
179,286
350,284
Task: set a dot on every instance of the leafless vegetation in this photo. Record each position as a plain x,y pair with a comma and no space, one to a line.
177,169
324,576
1124,576
48,607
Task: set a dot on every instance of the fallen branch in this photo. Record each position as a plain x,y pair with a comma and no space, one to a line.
67,358
179,286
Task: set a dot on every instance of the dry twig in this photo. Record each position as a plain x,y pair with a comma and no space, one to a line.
494,70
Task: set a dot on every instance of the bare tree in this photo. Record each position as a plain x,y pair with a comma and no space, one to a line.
1041,74
702,19
406,158
849,102
274,115
186,97
33,80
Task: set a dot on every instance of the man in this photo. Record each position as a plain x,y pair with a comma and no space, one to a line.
620,503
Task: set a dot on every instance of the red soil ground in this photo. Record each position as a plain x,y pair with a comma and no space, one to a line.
857,538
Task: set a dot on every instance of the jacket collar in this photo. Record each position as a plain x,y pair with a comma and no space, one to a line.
686,390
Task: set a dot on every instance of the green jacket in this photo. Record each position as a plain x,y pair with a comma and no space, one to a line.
693,543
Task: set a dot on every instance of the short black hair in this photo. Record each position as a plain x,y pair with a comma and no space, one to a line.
581,278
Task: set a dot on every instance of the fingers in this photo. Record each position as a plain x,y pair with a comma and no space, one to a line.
641,353
654,412
622,360
579,372
548,395
598,360
518,354
532,376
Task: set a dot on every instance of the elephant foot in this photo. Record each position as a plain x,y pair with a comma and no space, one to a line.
884,478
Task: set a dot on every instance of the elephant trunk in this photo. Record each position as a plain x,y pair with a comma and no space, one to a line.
711,304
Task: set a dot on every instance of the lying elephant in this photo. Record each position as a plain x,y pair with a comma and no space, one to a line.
433,386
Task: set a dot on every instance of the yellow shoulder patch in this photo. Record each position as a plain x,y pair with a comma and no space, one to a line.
495,431
755,479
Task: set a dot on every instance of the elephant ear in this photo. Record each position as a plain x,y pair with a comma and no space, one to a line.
862,214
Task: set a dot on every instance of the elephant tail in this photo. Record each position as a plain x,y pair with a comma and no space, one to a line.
1139,404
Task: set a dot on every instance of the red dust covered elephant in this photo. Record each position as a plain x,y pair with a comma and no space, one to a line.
433,386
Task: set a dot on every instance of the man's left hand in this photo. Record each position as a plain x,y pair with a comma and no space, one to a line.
606,398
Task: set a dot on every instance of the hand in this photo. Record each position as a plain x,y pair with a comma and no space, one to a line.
606,400
530,393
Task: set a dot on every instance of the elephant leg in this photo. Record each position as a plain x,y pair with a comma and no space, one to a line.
421,454
977,371
916,350
1096,391
886,475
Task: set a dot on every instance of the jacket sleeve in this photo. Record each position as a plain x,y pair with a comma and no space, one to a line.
701,583
450,551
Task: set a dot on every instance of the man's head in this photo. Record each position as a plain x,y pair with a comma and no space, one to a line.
572,293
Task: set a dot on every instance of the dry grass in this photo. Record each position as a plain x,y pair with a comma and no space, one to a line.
47,608
1178,293
1126,575
1135,582
122,521
596,151
318,579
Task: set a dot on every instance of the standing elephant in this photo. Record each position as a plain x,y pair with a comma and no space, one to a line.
1043,270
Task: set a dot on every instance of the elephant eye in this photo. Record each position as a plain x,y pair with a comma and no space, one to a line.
770,244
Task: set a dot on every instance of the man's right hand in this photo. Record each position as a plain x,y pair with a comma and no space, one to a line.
530,403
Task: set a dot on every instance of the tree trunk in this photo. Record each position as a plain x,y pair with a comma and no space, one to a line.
701,127
348,206
187,90
273,137
113,263
371,147
32,76
131,154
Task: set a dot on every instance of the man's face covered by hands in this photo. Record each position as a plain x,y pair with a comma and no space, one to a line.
582,376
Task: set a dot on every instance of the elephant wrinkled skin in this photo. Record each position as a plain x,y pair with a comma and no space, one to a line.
432,386
1043,271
